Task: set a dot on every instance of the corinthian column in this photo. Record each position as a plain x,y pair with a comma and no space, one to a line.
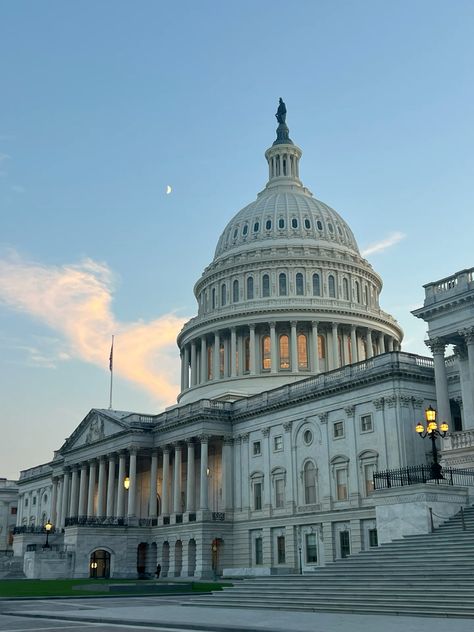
315,346
294,348
101,488
177,479
152,505
335,346
204,504
190,481
120,487
82,510
91,492
233,352
437,347
166,477
111,487
74,490
132,490
252,350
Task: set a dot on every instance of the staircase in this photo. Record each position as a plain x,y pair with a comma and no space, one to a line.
425,575
11,567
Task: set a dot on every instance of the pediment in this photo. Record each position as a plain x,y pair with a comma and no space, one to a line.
96,426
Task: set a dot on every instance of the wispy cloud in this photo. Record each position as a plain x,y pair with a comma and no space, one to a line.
383,244
75,301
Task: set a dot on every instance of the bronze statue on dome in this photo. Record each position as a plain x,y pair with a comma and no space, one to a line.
281,113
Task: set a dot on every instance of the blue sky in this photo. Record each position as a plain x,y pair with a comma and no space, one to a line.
106,103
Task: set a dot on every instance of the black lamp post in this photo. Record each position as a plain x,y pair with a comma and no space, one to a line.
433,433
48,526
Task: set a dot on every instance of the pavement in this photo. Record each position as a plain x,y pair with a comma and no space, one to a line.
172,615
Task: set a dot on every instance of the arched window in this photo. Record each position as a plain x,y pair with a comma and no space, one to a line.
282,289
266,354
247,354
249,288
213,298
302,352
345,288
357,288
309,477
331,286
265,285
235,291
316,285
284,352
299,284
366,295
223,295
321,347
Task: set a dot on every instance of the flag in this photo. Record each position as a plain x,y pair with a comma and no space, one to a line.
111,357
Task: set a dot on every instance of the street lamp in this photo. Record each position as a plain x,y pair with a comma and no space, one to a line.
433,433
126,482
48,526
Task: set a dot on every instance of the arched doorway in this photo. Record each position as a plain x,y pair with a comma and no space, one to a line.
216,555
178,558
142,551
165,559
191,557
99,565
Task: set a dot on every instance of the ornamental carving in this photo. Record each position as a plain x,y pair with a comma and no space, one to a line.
460,351
349,410
287,426
436,345
378,403
417,402
95,432
323,417
245,437
266,431
405,400
468,334
228,440
391,401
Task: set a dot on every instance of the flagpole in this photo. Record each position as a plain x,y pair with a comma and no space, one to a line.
111,367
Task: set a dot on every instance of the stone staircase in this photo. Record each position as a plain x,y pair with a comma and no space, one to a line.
11,567
425,575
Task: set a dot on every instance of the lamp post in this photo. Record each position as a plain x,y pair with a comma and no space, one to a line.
433,433
48,526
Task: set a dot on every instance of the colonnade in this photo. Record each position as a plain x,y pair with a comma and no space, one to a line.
257,349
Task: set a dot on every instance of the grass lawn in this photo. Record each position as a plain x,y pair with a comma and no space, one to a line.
64,587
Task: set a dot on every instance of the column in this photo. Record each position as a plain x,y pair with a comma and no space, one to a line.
203,360
233,352
181,356
227,473
177,479
101,488
111,487
217,357
120,487
54,500
190,480
468,335
82,509
294,348
437,347
204,476
335,346
370,350
390,343
354,348
273,347
240,355
91,491
193,364
315,353
132,490
65,498
74,492
252,350
382,348
166,479
152,504
186,366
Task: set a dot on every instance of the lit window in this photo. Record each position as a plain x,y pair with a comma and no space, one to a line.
268,224
221,360
316,285
349,350
265,285
294,223
282,289
256,227
278,443
366,423
247,354
249,288
258,551
235,291
321,347
279,493
281,223
223,295
311,549
302,352
299,284
257,448
338,429
309,476
266,353
332,286
257,496
284,352
281,558
341,484
307,223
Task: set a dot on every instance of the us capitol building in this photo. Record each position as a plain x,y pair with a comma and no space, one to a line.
294,391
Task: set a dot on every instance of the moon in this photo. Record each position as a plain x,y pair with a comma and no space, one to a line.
168,189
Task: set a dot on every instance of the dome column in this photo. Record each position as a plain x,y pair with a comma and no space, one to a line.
252,350
217,357
354,348
335,346
294,347
186,366
273,347
370,349
382,343
193,364
390,343
203,359
315,354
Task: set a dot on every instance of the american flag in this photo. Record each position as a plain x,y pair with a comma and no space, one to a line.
111,357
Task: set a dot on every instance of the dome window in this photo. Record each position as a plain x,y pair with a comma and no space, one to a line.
250,288
330,227
357,289
268,224
256,227
282,286
294,223
345,288
284,352
316,285
302,345
265,286
299,284
332,286
235,291
223,295
339,230
236,232
307,223
308,437
281,223
266,353
213,298
245,229
319,224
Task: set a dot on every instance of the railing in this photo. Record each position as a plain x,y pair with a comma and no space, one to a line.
40,470
457,440
458,281
92,521
30,529
416,474
218,516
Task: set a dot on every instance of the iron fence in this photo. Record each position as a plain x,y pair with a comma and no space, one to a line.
416,474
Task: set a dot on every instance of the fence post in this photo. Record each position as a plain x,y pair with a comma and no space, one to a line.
462,519
431,519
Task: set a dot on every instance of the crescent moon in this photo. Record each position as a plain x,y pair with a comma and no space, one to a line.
168,189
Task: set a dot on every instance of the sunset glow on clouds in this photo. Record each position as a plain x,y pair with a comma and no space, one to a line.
75,301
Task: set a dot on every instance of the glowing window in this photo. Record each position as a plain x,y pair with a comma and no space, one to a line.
302,352
221,360
266,353
284,352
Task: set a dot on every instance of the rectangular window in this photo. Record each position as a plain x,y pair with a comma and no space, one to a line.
278,443
13,511
257,496
366,423
369,470
341,484
279,493
311,549
345,543
257,448
258,551
373,538
34,500
338,429
281,556
26,502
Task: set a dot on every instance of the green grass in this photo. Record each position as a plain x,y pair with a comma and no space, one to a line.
64,587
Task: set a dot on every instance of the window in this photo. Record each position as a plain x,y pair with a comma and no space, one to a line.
309,476
294,223
366,296
338,429
245,229
330,227
210,351
249,288
369,470
349,350
307,223
319,225
223,295
221,359
345,289
311,548
266,353
26,502
235,291
321,347
344,541
279,493
281,223
341,484
357,289
278,443
257,448
13,511
299,284
213,298
34,500
268,224
316,285
331,286
236,232
302,352
257,496
284,352
308,437
373,538
340,347
258,551
247,354
282,289
256,227
366,423
265,285
281,558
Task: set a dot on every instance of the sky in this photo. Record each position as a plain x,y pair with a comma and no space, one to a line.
105,103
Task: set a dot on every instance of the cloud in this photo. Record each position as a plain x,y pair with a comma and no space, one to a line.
75,300
381,246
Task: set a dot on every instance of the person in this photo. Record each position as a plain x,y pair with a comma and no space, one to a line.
281,113
158,571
